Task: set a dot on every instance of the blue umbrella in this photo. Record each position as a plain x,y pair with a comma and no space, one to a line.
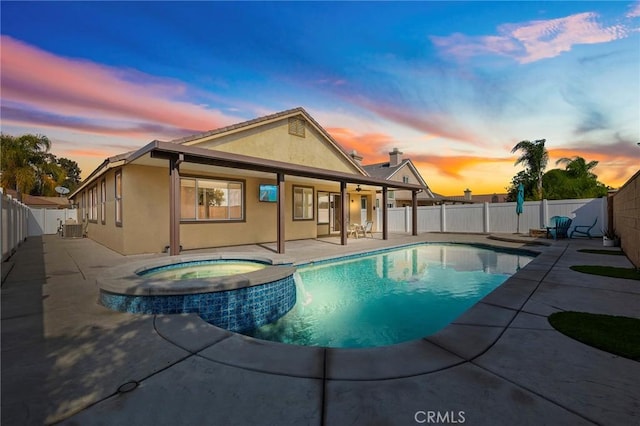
520,203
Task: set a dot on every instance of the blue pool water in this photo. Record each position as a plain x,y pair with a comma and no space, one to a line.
390,297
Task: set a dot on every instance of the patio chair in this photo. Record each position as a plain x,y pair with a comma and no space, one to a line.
578,229
367,228
559,227
353,230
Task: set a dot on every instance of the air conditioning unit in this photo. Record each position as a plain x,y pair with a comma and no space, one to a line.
72,230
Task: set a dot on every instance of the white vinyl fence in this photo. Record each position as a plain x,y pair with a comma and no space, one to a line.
13,230
46,221
500,217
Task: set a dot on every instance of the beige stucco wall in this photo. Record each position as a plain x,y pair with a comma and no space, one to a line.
145,215
106,233
259,225
405,170
626,218
272,141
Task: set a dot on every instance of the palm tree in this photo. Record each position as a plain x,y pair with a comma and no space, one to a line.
535,158
25,163
578,167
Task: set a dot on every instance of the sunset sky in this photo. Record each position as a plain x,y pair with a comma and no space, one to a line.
454,85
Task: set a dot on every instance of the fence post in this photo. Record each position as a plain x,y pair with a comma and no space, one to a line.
407,219
443,218
486,217
544,213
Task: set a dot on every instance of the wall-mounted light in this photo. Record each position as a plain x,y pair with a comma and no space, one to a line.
358,189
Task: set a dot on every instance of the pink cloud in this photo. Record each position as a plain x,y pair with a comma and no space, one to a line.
635,10
534,40
45,82
437,125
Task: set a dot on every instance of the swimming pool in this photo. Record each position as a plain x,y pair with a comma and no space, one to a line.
390,297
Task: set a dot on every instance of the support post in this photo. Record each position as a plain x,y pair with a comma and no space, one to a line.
385,214
414,213
344,197
281,216
174,204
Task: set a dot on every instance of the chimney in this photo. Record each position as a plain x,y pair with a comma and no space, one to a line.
395,158
356,157
467,194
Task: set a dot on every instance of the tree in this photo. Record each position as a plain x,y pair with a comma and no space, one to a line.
578,167
20,157
28,167
72,172
527,180
535,158
576,181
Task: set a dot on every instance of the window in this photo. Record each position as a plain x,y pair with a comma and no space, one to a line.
405,179
93,204
209,199
296,126
103,201
118,198
302,203
391,195
84,205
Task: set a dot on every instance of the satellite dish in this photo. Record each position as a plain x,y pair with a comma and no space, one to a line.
61,190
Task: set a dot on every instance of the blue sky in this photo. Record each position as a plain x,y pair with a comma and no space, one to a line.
452,84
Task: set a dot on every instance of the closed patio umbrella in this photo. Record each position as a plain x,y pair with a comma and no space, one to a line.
520,203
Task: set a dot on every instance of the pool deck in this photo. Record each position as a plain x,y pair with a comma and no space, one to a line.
68,360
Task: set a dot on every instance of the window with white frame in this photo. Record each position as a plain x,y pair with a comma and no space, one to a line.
103,201
93,203
303,205
118,197
211,199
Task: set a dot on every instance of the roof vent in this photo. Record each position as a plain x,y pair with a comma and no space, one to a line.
296,126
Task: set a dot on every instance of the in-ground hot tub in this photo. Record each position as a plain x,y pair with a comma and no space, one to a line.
235,291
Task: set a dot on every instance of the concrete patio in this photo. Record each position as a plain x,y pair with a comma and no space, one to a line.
68,360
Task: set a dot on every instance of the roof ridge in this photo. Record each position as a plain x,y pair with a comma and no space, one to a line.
238,125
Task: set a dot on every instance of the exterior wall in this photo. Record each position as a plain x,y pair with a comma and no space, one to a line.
107,233
145,214
405,170
626,218
145,209
273,142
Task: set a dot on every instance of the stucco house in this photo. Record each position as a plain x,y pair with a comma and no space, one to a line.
402,170
272,179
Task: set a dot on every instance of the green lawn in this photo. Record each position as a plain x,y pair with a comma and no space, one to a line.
608,271
617,335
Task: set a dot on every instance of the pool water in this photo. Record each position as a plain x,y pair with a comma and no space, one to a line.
203,269
391,297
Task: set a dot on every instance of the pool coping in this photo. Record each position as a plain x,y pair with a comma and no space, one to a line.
124,279
466,338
